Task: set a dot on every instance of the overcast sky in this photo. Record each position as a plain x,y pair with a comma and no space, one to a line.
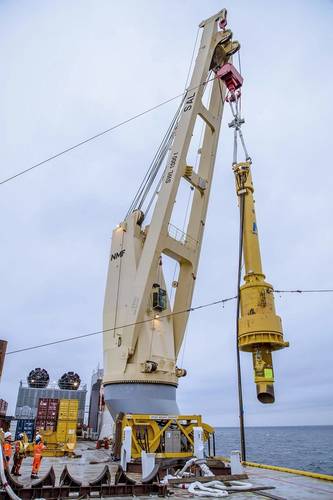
70,69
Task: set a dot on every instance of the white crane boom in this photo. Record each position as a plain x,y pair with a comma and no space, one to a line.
142,335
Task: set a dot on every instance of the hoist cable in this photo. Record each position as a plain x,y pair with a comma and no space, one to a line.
247,156
239,63
154,166
171,138
236,124
166,143
144,181
191,195
157,161
192,58
240,72
183,230
239,370
159,157
151,201
234,156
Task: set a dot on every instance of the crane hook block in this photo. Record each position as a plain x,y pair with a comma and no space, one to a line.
230,76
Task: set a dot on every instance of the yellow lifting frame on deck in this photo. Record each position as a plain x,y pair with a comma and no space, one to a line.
155,427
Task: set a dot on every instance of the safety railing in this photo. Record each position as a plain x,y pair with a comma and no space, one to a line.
182,237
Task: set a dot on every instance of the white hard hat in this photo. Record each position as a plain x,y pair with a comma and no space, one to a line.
8,435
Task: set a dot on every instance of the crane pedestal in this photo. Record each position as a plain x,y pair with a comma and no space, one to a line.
141,398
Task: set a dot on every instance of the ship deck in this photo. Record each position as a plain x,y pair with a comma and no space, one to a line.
90,463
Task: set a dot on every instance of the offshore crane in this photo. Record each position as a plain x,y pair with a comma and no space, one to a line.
143,329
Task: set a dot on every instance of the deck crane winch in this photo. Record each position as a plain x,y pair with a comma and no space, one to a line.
143,330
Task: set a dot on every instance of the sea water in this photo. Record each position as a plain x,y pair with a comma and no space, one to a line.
307,447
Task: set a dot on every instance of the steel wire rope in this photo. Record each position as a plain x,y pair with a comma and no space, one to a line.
169,137
161,158
161,179
192,57
322,290
159,155
191,309
68,339
239,370
195,166
203,128
96,136
240,72
236,124
167,144
191,189
189,289
183,228
118,285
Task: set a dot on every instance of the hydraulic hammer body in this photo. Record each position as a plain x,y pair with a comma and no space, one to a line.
260,329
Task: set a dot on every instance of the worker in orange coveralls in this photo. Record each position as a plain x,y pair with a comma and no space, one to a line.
19,455
38,450
7,450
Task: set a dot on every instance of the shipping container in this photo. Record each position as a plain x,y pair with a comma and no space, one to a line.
28,397
40,424
26,425
68,409
66,431
48,410
5,423
3,407
45,424
54,401
13,427
25,412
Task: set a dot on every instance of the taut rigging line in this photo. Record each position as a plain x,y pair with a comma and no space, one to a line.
99,134
201,306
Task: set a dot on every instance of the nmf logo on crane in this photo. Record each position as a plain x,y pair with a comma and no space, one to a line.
117,255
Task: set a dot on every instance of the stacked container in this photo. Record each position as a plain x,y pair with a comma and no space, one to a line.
67,421
3,407
47,414
26,425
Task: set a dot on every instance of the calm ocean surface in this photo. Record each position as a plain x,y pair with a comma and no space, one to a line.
307,448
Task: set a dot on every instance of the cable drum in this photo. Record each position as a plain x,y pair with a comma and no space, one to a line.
38,378
69,380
